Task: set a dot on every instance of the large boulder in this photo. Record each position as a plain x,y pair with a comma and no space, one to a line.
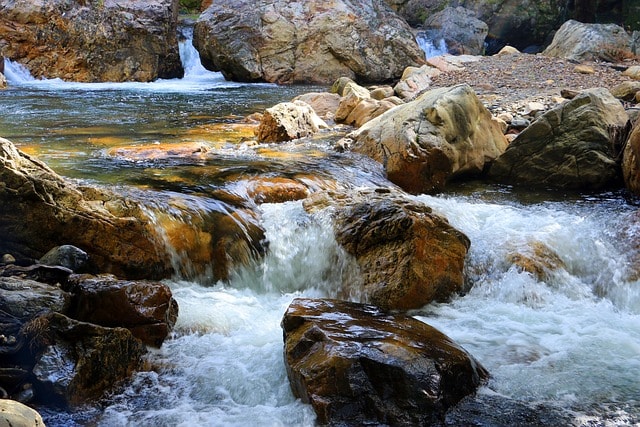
462,32
15,414
443,134
147,309
590,42
305,41
570,146
407,256
359,366
40,210
110,40
288,121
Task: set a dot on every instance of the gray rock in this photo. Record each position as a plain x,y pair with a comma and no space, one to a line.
67,256
590,42
16,414
461,30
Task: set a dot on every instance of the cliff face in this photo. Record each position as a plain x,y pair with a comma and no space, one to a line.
92,40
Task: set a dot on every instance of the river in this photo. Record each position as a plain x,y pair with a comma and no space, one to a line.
570,340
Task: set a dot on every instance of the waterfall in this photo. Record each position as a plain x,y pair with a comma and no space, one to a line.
431,46
16,73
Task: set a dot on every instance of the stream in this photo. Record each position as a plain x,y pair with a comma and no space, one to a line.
570,340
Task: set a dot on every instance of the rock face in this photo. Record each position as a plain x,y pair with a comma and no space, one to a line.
305,41
288,121
461,30
39,210
590,42
568,147
407,255
108,40
359,366
442,134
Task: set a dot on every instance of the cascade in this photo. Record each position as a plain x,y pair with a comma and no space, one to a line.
431,47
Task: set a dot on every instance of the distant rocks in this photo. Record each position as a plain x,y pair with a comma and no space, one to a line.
305,42
462,32
93,41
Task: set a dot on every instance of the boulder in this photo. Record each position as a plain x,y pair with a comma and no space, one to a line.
407,256
77,361
590,42
67,256
359,366
633,72
631,160
313,41
351,95
569,146
324,104
40,210
146,308
108,40
3,81
414,81
15,414
462,32
443,134
626,91
288,121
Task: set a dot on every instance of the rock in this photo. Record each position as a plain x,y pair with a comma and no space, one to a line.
67,256
288,121
626,90
633,72
590,42
461,30
3,81
359,366
537,259
366,110
352,94
340,84
83,41
24,299
7,259
584,69
631,160
414,81
508,50
78,361
276,190
16,414
305,41
381,92
567,147
407,255
146,308
40,210
443,134
51,274
325,104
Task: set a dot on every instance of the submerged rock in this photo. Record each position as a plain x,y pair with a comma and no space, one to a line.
407,255
359,366
569,146
305,41
93,41
443,134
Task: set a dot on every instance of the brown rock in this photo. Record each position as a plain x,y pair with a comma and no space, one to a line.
276,190
324,104
359,366
631,160
538,259
626,90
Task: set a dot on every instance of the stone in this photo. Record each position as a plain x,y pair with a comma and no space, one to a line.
24,299
87,42
537,259
414,81
288,121
461,30
508,50
324,104
382,92
16,414
357,365
590,42
443,134
631,160
407,256
67,256
584,69
3,81
633,72
352,95
309,41
626,90
276,190
146,308
567,147
7,259
366,110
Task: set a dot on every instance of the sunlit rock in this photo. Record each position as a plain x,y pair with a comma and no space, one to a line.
276,190
443,134
288,121
147,309
305,41
407,255
16,414
569,146
359,366
93,41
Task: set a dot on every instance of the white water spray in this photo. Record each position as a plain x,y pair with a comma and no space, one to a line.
431,47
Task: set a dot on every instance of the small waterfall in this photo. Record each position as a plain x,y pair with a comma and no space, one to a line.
432,46
16,73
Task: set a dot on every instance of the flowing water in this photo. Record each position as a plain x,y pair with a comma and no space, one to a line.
569,339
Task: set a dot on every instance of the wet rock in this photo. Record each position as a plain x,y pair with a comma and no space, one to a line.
276,190
537,259
304,42
461,30
51,274
83,41
288,121
359,366
407,255
24,299
590,42
146,308
67,256
16,414
567,147
77,361
443,134
40,210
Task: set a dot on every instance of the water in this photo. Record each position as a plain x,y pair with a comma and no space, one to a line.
570,339
432,46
